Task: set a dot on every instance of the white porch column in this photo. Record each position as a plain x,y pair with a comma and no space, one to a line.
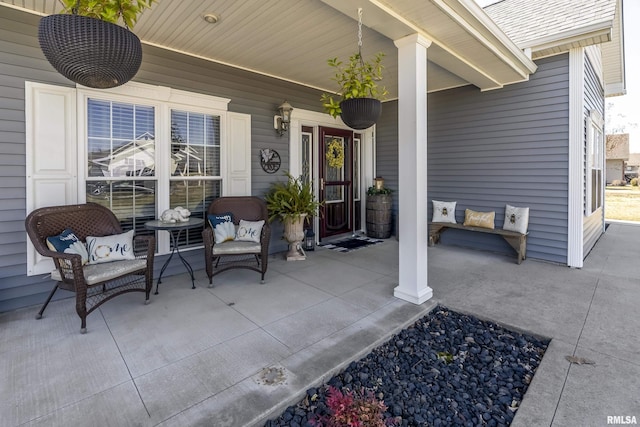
412,156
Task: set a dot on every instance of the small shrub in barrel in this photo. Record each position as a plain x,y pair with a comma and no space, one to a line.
379,209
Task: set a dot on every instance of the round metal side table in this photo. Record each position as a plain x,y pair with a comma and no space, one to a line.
175,230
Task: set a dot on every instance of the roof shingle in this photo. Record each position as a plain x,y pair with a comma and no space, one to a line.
527,20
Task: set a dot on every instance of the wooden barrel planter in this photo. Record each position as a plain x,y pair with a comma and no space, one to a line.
379,207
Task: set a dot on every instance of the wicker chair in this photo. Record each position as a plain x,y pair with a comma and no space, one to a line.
93,284
224,256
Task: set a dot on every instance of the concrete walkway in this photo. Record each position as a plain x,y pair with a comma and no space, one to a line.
241,352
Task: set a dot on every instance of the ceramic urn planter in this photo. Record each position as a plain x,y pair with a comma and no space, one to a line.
294,234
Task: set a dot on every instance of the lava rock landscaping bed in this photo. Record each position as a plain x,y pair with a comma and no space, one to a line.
446,369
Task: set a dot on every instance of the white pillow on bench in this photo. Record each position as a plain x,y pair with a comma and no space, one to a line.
444,211
516,219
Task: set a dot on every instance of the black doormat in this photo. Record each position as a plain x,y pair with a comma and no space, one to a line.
350,244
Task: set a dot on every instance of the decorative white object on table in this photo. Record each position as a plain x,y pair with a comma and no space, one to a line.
178,214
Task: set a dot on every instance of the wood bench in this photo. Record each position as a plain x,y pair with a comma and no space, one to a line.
516,240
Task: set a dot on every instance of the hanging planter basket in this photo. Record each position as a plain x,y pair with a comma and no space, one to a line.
360,113
89,51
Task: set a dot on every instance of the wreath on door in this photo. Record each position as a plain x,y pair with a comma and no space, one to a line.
335,154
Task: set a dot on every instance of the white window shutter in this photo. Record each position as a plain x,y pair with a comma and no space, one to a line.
51,155
239,155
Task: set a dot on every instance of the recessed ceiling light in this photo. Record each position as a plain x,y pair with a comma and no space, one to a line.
210,18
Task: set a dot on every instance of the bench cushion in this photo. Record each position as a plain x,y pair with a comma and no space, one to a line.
222,225
444,211
479,219
236,247
97,273
68,242
516,219
116,247
249,231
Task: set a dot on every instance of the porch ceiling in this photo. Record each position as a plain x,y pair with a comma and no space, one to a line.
292,40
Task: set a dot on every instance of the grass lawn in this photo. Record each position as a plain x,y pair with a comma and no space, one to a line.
622,203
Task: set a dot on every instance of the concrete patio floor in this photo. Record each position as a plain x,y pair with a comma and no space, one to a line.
239,353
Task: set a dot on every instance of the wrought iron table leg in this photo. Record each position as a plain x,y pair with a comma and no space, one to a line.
188,267
175,237
164,267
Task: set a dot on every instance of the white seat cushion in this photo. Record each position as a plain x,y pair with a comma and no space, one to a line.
96,273
235,247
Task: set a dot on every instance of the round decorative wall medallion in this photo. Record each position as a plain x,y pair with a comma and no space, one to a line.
269,160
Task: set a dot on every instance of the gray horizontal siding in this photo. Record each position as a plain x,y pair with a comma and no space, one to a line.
593,225
21,60
508,146
251,94
387,154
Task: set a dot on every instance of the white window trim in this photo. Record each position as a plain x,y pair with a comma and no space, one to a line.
62,131
594,121
163,99
576,178
314,119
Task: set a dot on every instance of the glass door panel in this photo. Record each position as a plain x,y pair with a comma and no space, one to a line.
336,181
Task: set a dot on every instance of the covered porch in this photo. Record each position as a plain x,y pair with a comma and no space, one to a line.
198,357
429,47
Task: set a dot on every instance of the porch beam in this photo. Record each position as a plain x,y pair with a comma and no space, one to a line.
412,157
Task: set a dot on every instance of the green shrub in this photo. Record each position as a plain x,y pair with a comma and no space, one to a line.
634,182
287,200
372,191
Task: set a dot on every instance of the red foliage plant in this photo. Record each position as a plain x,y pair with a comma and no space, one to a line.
350,409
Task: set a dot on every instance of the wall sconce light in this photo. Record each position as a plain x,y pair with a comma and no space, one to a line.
282,120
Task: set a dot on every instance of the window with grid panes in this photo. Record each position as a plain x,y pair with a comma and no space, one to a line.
194,165
122,154
121,158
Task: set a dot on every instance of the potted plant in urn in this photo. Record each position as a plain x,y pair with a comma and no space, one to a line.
359,95
291,202
86,45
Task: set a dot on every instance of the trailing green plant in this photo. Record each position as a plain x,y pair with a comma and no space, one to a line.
372,191
356,79
287,200
351,409
112,11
